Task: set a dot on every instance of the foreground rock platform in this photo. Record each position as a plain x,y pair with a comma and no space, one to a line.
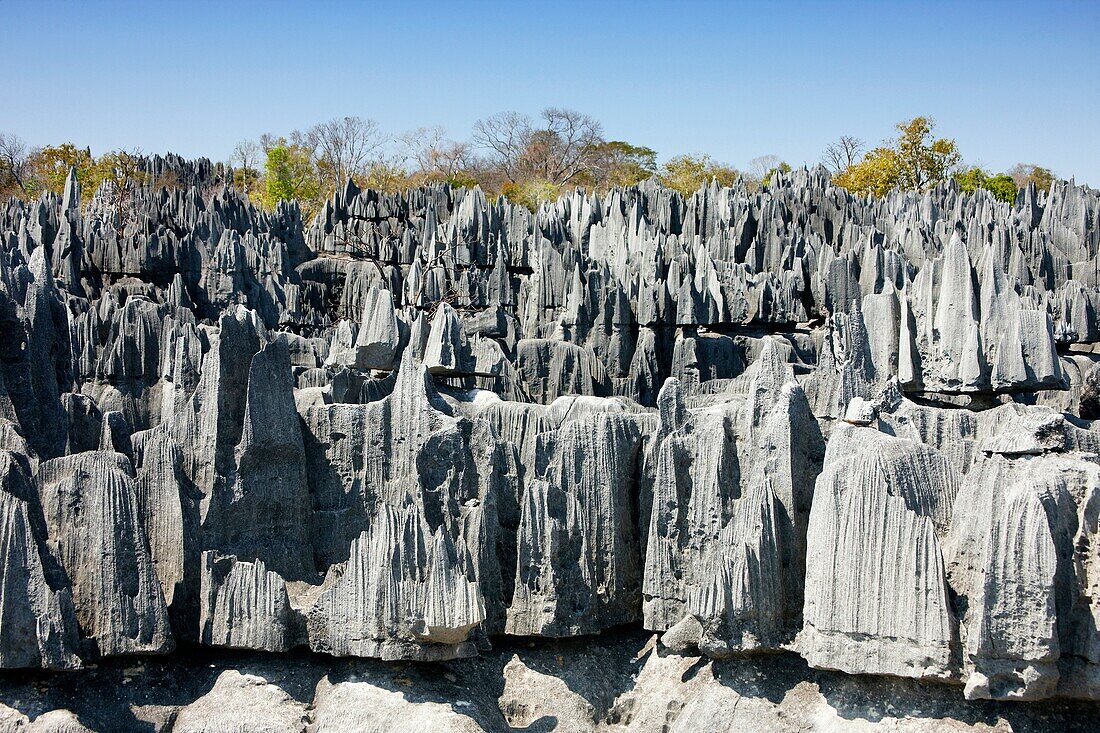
616,682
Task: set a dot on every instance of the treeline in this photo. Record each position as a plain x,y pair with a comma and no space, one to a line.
917,160
27,172
527,159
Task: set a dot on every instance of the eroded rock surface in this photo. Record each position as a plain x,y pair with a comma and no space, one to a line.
424,423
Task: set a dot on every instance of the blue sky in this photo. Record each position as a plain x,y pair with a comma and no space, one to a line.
1010,81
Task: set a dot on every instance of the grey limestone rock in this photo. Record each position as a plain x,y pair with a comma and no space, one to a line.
245,606
877,597
400,595
405,524
378,340
95,526
1019,560
427,420
578,568
240,703
37,621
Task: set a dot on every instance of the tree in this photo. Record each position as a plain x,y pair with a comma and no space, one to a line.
505,137
923,161
688,173
971,179
246,162
15,168
842,154
122,171
343,148
288,175
762,169
50,168
618,163
384,176
531,193
439,159
877,174
915,161
1001,185
760,165
561,147
1025,173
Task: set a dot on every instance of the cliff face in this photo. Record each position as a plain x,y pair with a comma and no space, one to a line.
792,419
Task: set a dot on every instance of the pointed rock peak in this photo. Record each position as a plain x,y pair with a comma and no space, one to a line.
415,386
71,199
177,293
956,242
378,302
670,405
774,362
771,372
40,267
115,435
239,316
350,191
444,350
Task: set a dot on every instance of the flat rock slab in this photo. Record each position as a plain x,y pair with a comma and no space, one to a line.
615,682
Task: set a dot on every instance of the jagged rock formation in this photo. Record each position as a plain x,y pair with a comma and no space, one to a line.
876,593
92,518
38,625
783,419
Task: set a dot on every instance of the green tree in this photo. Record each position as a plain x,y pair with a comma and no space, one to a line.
688,173
531,193
289,174
971,179
385,177
1001,185
877,174
245,179
923,161
618,163
50,168
915,161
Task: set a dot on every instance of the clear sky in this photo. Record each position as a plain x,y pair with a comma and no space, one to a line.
1010,81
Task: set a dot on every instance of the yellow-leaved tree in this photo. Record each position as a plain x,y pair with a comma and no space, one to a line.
688,173
915,161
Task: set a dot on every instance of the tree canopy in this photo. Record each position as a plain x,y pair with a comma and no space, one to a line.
289,174
1002,186
687,173
914,161
528,159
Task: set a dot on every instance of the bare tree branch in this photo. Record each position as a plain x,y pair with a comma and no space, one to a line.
843,153
344,147
14,161
435,156
564,145
247,154
506,136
